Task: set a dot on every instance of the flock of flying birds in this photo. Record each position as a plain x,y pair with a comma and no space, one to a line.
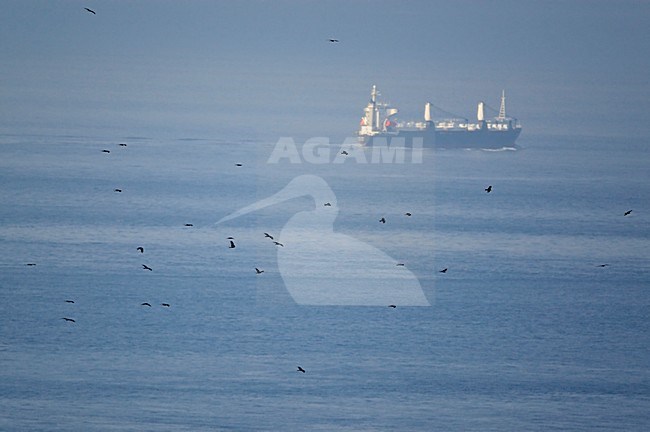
232,245
139,249
259,271
145,267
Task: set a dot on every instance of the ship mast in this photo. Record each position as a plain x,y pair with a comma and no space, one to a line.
373,99
370,119
502,109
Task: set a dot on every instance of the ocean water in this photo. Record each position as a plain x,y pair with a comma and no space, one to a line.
525,331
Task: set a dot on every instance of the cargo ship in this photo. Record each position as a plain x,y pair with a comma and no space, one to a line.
380,125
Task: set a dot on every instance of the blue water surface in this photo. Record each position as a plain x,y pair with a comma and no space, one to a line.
526,330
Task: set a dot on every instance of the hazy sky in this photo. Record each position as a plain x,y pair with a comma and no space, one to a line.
203,63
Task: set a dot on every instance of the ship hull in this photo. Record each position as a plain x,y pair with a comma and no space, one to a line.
477,139
448,139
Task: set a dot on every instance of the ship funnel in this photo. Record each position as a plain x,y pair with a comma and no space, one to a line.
480,115
427,112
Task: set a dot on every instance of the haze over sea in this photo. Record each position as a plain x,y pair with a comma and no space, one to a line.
540,322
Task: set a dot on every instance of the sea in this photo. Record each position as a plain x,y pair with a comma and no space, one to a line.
540,322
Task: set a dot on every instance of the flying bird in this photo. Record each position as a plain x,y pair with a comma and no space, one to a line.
327,204
333,40
232,245
189,225
238,164
400,264
392,306
91,11
277,243
268,235
382,220
165,304
258,271
345,153
407,214
68,319
69,301
602,265
117,190
146,304
106,151
140,249
122,145
627,212
146,267
444,270
300,369
30,264
488,189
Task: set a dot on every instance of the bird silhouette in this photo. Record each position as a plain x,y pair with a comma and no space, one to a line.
30,264
444,270
333,40
488,189
122,145
268,235
382,220
91,11
189,225
300,370
68,319
345,153
400,264
407,214
329,271
328,204
117,190
69,301
238,164
146,267
627,213
140,249
165,304
258,271
232,245
146,304
277,243
392,306
106,151
602,265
